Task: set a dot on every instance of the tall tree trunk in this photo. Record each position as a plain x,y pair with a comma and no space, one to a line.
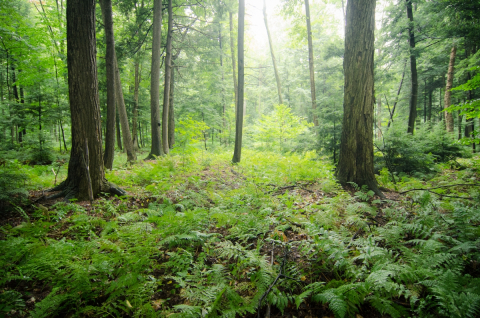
379,116
460,118
355,162
272,53
430,104
156,149
171,111
413,68
310,64
448,92
86,175
135,105
237,154
224,124
108,156
232,50
122,112
168,76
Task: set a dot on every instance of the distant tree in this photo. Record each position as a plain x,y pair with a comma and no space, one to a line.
413,69
355,162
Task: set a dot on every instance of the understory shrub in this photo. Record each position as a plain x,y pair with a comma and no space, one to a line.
12,185
401,152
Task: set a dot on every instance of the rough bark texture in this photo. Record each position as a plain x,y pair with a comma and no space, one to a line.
448,92
106,6
84,105
122,112
237,154
156,149
232,50
168,76
412,115
310,64
272,53
356,150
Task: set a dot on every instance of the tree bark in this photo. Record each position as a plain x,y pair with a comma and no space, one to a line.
237,154
156,149
106,7
413,68
117,128
122,112
272,53
232,50
310,64
168,76
84,105
448,92
171,111
356,151
135,106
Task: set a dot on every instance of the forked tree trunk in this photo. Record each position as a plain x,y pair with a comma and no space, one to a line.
272,53
310,64
84,106
237,154
355,162
232,50
106,6
413,68
156,149
168,76
448,92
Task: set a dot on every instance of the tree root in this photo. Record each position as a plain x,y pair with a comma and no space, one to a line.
70,192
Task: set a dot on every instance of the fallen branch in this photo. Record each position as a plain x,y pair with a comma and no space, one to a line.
441,187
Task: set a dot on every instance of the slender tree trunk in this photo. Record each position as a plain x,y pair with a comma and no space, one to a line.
355,162
310,64
156,149
122,112
117,127
106,7
398,94
272,53
168,76
460,118
448,92
135,105
224,124
430,104
232,50
379,116
237,154
413,68
171,111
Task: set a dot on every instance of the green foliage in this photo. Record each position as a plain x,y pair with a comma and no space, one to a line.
408,153
12,185
281,129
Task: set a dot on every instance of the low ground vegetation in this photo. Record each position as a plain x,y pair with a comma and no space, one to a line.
199,237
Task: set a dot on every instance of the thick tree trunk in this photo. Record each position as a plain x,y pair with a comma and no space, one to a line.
237,154
168,76
448,92
310,64
135,105
356,151
413,68
106,6
156,149
86,175
272,53
232,50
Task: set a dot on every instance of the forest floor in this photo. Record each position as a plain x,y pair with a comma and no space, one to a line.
199,237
